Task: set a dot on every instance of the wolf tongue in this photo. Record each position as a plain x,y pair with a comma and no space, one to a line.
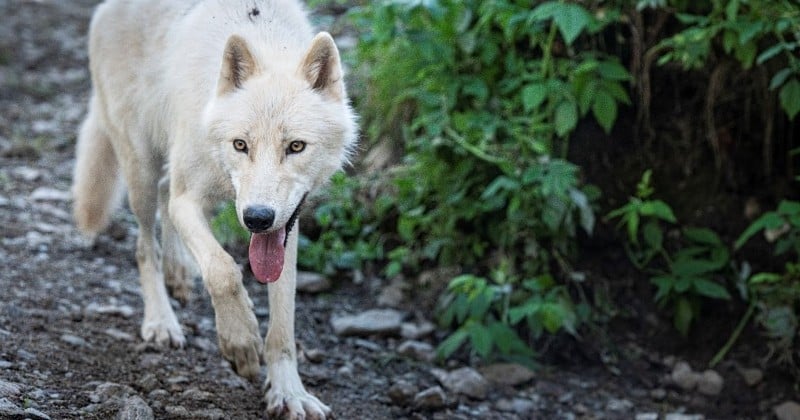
266,255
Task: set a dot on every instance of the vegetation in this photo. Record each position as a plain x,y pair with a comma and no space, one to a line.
480,100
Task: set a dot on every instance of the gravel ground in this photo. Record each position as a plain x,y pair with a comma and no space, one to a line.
69,345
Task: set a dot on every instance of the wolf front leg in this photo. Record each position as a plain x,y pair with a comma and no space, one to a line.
237,328
286,396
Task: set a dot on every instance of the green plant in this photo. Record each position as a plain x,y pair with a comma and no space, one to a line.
226,227
685,276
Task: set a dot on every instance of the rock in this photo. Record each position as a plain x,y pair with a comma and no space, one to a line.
430,399
511,374
417,350
9,410
789,410
312,282
710,383
658,394
209,413
119,335
177,411
681,416
465,381
413,331
110,391
197,395
134,408
50,194
123,311
9,389
393,294
26,173
401,392
74,340
752,376
622,405
519,406
34,413
148,382
683,376
374,321
646,416
314,355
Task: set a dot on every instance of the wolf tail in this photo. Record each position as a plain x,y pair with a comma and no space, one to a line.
96,182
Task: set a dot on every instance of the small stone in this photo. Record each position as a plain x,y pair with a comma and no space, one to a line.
197,395
789,410
465,381
752,377
314,355
519,406
646,416
110,391
430,399
9,389
50,194
74,340
177,411
209,413
511,374
32,412
710,383
312,282
135,408
682,416
119,335
9,410
393,295
26,173
658,394
375,321
413,331
417,350
401,392
123,311
623,405
148,382
683,376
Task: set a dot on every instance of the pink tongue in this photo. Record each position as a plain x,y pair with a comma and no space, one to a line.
266,255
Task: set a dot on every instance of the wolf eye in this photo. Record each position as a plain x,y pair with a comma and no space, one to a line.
240,145
296,146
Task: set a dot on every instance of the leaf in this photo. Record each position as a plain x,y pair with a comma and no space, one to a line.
702,236
451,344
658,209
770,220
533,95
480,338
693,267
566,118
790,98
770,52
605,110
571,19
759,278
683,316
779,78
508,341
653,237
789,208
585,212
613,70
664,284
711,289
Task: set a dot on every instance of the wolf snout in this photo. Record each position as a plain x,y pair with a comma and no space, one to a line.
258,218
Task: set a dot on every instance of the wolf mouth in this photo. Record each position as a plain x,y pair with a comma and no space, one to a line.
267,250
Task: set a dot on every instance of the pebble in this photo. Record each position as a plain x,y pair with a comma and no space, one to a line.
417,350
9,389
413,331
646,416
209,413
374,321
752,376
619,405
312,282
466,381
430,399
511,374
26,173
119,335
177,411
148,382
402,391
683,376
710,383
109,391
9,410
135,408
789,410
123,311
519,406
682,416
50,194
74,340
197,395
32,412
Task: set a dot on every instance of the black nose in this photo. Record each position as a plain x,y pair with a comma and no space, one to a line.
258,218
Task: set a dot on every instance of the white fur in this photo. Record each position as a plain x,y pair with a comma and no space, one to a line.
174,83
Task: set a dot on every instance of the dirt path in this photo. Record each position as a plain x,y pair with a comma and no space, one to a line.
69,319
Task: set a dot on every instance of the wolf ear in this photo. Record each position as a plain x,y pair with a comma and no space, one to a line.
237,65
322,67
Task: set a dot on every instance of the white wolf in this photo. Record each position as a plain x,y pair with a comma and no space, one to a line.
198,101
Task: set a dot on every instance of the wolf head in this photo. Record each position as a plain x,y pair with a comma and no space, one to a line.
280,132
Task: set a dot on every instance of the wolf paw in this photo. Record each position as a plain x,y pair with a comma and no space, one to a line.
164,332
237,330
300,405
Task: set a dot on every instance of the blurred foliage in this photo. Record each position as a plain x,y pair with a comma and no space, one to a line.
480,98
